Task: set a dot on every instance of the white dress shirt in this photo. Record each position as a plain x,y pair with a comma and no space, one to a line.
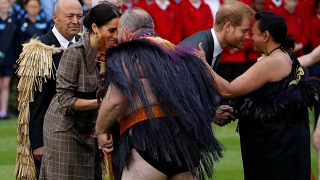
163,5
214,6
62,40
217,48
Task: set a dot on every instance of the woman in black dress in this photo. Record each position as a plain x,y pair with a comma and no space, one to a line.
271,100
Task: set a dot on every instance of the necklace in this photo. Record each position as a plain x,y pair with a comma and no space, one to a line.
273,50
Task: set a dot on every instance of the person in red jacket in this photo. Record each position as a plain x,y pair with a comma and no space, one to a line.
233,63
166,19
297,24
273,5
306,6
196,15
315,26
177,2
144,4
214,6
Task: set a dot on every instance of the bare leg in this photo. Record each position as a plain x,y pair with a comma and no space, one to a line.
183,176
4,94
140,169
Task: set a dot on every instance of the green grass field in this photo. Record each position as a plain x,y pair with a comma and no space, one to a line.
7,148
229,168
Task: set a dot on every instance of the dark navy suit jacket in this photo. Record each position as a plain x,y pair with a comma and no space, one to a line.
42,100
205,37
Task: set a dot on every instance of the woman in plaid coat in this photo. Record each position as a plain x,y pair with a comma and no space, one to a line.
70,151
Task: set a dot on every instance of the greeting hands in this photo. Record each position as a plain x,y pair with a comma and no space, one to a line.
224,115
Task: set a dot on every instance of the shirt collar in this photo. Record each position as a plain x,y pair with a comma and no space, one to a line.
217,48
91,56
163,5
196,4
277,2
214,6
62,40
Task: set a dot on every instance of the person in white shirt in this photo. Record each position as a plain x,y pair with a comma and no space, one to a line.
67,16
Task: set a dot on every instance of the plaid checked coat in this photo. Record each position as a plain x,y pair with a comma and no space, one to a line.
70,152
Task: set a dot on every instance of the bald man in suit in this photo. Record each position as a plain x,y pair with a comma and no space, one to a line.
64,32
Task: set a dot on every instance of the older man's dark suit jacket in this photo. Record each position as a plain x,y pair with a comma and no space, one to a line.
39,107
205,37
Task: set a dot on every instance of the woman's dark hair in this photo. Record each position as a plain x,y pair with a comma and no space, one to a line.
277,27
100,15
25,2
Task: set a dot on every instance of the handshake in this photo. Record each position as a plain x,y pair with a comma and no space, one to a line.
224,115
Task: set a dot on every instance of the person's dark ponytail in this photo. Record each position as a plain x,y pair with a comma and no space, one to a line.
289,43
277,27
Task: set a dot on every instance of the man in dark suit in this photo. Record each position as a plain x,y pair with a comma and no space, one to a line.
232,24
67,16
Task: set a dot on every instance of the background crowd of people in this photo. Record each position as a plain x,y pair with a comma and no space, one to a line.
174,20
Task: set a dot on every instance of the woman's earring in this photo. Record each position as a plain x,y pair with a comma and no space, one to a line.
95,34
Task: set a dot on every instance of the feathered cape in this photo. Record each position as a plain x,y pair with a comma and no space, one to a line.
181,83
282,99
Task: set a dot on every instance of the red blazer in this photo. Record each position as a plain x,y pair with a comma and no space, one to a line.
142,4
251,54
315,31
306,6
297,25
232,56
167,23
194,20
271,6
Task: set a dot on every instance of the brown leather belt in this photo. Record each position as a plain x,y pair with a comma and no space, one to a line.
138,116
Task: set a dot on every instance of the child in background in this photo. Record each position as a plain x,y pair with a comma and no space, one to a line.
144,4
16,8
195,16
33,23
315,26
166,19
8,29
297,24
